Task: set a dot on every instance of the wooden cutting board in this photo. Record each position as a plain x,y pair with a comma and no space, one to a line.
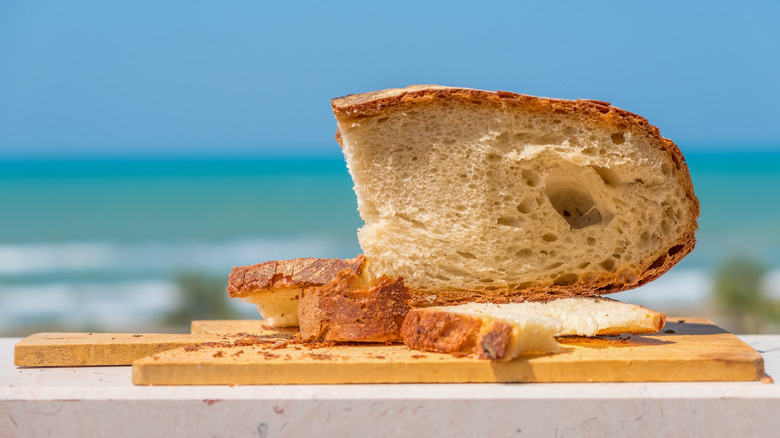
687,350
102,349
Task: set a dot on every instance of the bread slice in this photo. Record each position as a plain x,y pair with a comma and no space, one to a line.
348,310
274,286
504,331
474,195
482,336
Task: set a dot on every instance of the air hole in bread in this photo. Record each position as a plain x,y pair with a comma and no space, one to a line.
449,141
617,138
382,119
531,178
510,221
454,271
549,237
675,249
553,266
415,223
608,264
575,206
526,205
607,175
591,241
566,279
658,262
583,265
525,252
466,255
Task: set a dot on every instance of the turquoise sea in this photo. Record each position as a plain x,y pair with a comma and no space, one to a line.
98,243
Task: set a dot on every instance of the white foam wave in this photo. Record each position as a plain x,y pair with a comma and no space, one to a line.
72,256
157,256
112,305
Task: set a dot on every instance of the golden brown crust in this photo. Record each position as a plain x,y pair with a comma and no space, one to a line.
457,334
597,112
345,310
284,274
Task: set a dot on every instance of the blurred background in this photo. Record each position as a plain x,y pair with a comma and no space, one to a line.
146,148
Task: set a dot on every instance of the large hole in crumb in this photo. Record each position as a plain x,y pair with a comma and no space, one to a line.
576,207
510,221
618,138
565,279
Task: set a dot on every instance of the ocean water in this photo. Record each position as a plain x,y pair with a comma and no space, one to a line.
100,243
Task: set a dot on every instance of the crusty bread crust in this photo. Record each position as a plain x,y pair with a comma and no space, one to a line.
456,334
245,281
352,108
346,310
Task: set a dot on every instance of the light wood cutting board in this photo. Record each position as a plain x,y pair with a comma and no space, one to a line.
687,350
102,349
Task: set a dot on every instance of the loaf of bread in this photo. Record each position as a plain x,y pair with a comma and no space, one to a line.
348,310
473,195
274,286
504,331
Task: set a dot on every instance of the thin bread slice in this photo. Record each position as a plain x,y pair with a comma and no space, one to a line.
474,195
274,286
504,331
478,335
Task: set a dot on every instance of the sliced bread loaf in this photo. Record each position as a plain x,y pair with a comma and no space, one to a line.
473,195
504,331
274,286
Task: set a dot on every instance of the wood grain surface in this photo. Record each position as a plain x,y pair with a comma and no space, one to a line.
687,350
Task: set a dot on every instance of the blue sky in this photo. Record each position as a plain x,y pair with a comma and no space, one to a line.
162,78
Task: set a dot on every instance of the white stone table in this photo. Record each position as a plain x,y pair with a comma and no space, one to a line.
101,401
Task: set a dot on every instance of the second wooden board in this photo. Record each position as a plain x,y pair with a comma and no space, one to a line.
694,350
